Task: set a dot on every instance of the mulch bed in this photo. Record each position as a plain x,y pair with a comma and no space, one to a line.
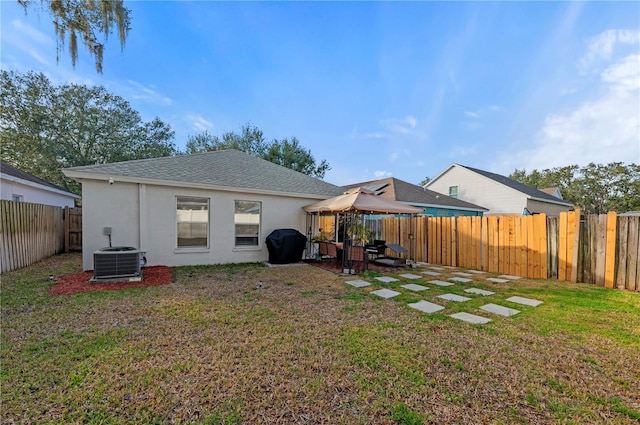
79,282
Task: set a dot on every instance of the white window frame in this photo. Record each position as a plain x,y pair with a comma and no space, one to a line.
457,188
17,198
207,223
236,223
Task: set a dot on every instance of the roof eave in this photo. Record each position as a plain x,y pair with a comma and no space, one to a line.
39,186
83,175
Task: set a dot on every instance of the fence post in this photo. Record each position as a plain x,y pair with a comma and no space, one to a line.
610,262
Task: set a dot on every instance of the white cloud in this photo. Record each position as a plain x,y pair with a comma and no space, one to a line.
29,31
138,91
29,40
601,129
199,122
382,174
402,126
602,46
472,114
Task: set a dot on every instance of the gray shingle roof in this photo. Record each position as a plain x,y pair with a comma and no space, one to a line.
400,190
528,190
12,171
230,168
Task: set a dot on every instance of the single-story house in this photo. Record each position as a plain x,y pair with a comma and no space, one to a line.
205,208
20,186
500,194
432,203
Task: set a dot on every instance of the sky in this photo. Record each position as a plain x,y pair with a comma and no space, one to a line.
378,89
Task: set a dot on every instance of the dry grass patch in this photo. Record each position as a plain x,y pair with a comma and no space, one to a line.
306,348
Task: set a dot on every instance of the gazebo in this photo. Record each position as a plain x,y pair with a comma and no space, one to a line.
358,202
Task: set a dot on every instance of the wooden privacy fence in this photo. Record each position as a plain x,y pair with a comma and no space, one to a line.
595,249
30,232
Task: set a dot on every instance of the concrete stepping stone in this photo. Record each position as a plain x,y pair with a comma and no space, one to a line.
454,297
476,271
386,279
426,306
461,279
411,276
471,318
462,274
414,287
525,301
436,268
498,309
508,276
358,283
497,280
430,273
479,291
441,283
386,293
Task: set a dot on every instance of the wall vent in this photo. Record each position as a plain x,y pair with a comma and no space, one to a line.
116,262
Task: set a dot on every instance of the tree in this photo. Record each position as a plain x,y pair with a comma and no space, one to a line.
424,181
285,152
91,21
250,140
45,128
291,155
594,188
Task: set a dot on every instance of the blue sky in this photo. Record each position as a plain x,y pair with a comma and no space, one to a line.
377,89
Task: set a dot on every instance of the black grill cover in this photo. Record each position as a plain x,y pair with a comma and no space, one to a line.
285,246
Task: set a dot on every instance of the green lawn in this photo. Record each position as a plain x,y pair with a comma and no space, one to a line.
211,348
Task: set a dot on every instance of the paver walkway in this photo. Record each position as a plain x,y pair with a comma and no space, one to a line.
414,287
454,297
471,318
426,306
525,301
497,280
386,293
498,309
461,277
441,283
479,291
386,279
358,283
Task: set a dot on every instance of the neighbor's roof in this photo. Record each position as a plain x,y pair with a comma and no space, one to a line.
230,169
400,190
31,180
528,190
515,185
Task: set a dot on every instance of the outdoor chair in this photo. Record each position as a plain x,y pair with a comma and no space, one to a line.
332,251
377,248
323,250
357,258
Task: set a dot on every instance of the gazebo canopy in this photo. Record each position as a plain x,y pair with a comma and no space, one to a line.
362,201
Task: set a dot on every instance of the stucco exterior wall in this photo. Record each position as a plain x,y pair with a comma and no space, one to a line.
144,216
551,210
34,195
481,191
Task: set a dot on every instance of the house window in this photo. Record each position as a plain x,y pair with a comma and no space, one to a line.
247,223
453,191
192,216
16,198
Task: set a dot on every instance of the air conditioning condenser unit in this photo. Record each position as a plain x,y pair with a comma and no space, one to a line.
116,262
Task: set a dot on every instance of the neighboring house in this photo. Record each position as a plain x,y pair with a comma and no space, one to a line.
500,194
553,191
432,203
20,186
206,208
